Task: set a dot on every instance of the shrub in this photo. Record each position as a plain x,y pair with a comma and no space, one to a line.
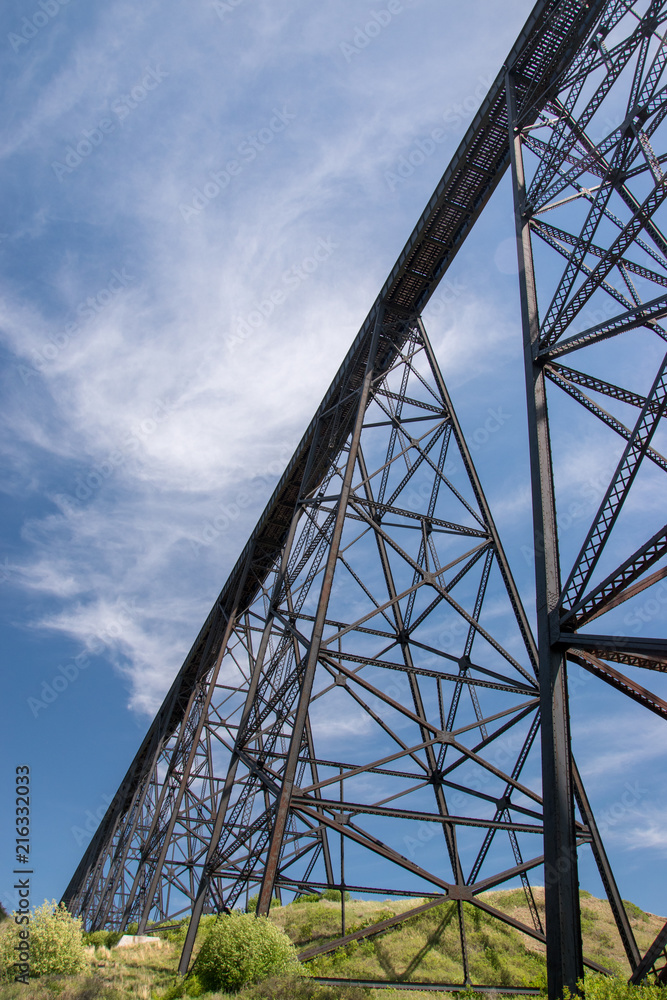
56,943
633,911
599,987
243,949
102,939
175,933
96,938
7,953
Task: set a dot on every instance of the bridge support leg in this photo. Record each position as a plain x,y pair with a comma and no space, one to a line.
563,925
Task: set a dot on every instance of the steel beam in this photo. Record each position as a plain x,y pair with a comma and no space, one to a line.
564,951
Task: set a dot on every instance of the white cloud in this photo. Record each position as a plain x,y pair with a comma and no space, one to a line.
623,742
651,834
154,418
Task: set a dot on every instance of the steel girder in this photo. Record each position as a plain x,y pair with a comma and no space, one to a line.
588,193
374,561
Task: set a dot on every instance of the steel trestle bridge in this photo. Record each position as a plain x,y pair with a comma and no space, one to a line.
368,672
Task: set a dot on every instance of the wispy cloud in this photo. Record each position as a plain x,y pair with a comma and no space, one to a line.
626,744
651,833
136,413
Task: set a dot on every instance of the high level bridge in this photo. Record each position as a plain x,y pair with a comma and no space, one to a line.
375,584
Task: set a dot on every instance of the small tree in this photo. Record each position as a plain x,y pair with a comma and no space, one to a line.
240,949
56,943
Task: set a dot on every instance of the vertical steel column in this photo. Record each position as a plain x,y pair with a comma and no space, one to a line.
563,925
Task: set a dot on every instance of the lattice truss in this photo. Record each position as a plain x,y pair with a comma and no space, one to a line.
362,708
590,190
596,207
380,689
159,824
393,691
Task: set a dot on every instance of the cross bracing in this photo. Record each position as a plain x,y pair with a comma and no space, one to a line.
588,193
368,670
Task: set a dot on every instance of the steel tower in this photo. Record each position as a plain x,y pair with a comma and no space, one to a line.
365,706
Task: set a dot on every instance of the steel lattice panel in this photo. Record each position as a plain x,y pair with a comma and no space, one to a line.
218,799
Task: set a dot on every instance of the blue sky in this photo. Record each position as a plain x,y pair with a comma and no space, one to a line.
200,205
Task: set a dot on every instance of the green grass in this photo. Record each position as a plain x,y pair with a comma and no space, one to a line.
116,974
424,948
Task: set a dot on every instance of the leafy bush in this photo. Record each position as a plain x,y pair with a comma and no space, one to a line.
102,939
7,953
633,911
599,987
243,949
56,943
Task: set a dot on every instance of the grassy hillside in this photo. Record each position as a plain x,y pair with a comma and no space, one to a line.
426,947
422,949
